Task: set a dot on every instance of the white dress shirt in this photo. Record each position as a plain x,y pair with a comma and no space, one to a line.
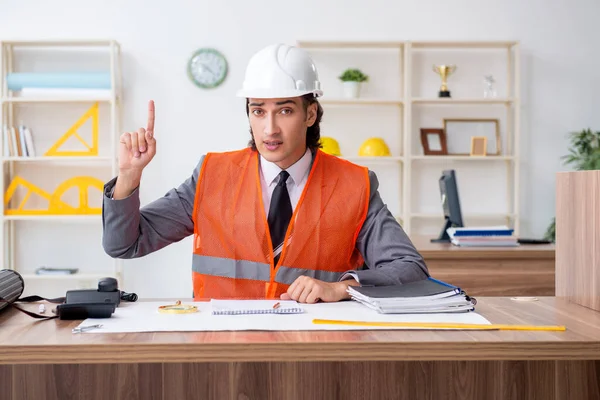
269,177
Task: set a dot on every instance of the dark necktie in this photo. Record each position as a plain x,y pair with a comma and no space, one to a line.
280,213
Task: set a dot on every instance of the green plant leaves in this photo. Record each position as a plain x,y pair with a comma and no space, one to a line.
584,150
354,75
551,231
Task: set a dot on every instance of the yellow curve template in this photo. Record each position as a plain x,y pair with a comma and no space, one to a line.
56,206
91,150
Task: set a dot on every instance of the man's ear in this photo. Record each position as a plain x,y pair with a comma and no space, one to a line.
311,114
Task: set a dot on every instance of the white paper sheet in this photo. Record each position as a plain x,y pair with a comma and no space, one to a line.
144,317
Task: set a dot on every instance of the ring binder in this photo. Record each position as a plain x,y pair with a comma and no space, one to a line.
248,307
294,310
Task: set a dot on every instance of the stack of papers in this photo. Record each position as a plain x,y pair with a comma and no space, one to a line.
495,236
421,297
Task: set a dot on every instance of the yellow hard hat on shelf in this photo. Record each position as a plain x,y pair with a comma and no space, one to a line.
330,146
374,147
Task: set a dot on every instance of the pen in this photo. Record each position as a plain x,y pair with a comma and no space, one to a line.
80,329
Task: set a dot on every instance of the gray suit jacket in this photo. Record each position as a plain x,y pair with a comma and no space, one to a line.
129,232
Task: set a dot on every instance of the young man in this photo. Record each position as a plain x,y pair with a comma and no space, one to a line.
278,219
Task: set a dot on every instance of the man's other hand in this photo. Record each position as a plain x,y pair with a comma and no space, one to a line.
310,290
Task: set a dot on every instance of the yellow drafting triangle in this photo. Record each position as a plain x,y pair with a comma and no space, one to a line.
91,150
55,204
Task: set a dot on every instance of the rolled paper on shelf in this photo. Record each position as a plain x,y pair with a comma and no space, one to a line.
88,80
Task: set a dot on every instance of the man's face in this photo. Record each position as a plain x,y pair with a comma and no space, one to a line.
279,128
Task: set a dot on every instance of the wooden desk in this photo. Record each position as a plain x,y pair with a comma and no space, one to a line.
44,360
527,270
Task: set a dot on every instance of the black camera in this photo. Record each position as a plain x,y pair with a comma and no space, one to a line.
91,303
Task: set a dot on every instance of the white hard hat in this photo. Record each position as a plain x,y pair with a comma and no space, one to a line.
280,71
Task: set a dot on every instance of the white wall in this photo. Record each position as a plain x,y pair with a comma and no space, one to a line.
560,77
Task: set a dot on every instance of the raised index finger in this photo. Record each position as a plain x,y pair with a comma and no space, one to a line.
150,126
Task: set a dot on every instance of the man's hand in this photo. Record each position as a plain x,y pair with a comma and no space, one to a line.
310,290
136,150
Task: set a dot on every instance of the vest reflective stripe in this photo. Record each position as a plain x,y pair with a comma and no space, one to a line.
289,275
229,268
239,269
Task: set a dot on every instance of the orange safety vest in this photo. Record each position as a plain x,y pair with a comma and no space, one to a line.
233,255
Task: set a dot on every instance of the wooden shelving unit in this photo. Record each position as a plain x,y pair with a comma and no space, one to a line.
404,70
462,158
66,99
363,102
451,101
383,160
71,225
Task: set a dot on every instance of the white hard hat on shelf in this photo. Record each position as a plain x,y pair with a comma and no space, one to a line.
278,71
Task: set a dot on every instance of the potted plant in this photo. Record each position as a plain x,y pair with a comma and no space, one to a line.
584,154
353,79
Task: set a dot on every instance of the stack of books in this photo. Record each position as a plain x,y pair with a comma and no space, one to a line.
495,236
421,297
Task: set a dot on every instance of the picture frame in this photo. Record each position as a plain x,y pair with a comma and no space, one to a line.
433,141
478,146
459,132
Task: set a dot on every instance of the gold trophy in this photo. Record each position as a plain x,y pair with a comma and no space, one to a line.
444,71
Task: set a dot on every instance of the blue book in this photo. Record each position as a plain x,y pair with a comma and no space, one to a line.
481,231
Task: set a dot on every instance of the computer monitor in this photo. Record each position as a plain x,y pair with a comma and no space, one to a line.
450,204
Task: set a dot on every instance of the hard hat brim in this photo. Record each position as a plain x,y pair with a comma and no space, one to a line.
275,94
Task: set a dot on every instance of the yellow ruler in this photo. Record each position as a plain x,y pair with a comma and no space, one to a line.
441,325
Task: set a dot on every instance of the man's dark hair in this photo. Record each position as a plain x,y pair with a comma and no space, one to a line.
313,133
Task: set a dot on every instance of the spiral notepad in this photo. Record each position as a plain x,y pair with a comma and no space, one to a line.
242,307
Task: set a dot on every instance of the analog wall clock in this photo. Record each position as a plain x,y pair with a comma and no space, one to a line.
207,68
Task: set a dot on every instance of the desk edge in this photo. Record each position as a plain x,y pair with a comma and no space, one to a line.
298,351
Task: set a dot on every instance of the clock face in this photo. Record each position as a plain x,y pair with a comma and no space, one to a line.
207,68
